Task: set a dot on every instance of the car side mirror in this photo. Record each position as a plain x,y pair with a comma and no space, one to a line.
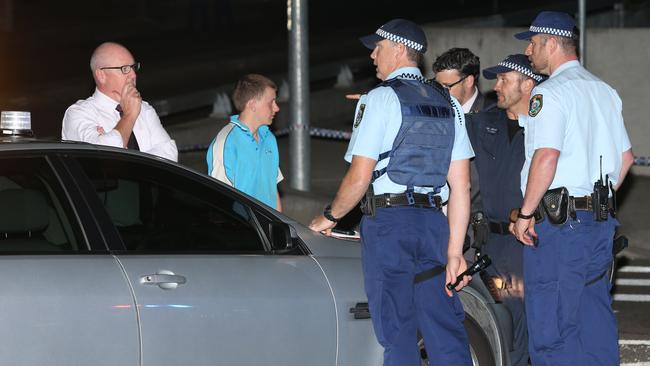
281,236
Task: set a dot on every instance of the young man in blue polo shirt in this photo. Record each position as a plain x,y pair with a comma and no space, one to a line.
244,154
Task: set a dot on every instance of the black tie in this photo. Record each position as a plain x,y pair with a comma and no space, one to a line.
133,143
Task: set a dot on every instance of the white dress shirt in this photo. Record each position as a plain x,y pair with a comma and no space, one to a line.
467,106
82,120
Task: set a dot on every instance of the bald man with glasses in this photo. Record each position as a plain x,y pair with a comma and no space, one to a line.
116,115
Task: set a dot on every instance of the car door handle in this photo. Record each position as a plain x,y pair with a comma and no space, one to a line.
166,280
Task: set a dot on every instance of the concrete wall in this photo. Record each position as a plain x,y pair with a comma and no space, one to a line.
620,57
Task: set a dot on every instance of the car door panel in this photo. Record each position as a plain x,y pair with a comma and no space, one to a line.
66,310
234,301
235,309
62,303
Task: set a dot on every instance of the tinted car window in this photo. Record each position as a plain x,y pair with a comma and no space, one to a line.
35,216
156,210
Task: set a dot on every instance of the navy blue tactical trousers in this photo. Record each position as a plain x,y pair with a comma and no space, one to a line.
570,322
397,243
507,263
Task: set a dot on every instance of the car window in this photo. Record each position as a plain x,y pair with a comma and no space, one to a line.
35,215
157,210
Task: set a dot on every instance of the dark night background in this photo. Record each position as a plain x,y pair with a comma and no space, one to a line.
196,44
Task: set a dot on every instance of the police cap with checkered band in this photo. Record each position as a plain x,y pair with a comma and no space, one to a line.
517,62
400,31
551,22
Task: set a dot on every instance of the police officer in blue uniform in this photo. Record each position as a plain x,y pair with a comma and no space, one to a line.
574,135
408,140
498,143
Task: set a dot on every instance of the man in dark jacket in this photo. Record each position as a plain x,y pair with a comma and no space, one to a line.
498,143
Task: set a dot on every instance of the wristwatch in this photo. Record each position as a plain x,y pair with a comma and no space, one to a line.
328,214
525,217
515,214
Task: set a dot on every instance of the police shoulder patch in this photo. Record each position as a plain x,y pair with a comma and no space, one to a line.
536,104
359,117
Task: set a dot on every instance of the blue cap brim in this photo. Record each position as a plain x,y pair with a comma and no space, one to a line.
370,41
523,36
491,72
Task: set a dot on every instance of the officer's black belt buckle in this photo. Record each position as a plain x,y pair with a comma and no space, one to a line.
586,203
582,203
502,228
387,200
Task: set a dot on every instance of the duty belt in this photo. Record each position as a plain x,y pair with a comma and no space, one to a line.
583,203
502,228
580,203
405,199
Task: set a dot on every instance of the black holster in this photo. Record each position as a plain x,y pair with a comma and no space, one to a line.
367,204
556,205
480,229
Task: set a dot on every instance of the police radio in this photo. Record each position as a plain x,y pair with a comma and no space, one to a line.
600,196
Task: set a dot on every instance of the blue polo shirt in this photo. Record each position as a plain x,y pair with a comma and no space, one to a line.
237,159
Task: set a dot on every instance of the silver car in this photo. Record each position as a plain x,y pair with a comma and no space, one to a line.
112,257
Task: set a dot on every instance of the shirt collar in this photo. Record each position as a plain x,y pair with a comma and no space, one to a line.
467,107
564,66
234,119
405,70
261,131
104,99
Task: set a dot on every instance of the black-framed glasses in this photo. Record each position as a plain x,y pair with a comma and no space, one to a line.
449,86
125,69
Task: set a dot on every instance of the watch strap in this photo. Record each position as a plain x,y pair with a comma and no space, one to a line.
525,217
328,214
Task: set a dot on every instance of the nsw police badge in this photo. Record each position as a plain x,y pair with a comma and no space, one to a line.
536,103
359,117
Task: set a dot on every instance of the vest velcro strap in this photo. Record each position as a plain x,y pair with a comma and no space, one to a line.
377,173
384,155
434,201
426,110
409,197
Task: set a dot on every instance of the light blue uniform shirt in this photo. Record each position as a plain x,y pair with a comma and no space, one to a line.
377,128
237,159
580,116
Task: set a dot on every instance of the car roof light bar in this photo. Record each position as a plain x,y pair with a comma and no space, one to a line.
16,123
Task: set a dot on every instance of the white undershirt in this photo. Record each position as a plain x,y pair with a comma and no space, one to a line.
467,106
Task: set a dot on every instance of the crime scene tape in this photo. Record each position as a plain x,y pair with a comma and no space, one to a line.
642,160
313,132
345,135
